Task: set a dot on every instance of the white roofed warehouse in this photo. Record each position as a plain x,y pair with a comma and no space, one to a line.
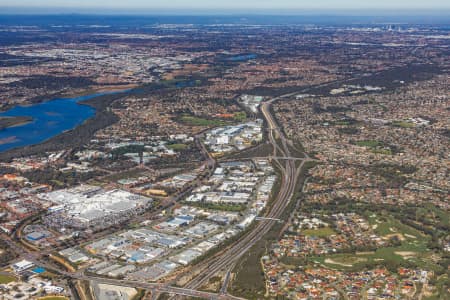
87,206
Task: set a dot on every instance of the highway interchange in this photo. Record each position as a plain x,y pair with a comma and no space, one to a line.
289,178
227,258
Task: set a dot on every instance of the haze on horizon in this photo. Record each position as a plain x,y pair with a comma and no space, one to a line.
250,6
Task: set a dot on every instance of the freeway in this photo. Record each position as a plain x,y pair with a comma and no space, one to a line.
289,177
282,157
35,258
40,259
226,259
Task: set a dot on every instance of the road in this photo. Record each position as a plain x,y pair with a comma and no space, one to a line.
161,288
282,157
39,259
225,261
289,177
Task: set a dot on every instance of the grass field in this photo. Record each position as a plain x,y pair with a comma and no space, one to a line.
321,232
388,225
240,116
196,121
403,124
4,279
345,260
431,212
382,151
376,147
411,250
261,150
177,147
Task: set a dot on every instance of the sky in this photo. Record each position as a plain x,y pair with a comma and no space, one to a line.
227,5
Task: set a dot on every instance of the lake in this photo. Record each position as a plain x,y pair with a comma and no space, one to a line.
49,119
53,117
243,57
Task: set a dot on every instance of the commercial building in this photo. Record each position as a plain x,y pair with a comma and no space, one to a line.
88,206
22,265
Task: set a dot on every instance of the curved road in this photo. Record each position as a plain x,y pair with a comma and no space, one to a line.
227,258
282,157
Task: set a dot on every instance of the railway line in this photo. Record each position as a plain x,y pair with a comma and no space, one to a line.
282,158
289,177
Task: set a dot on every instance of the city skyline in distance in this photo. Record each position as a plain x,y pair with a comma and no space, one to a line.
282,7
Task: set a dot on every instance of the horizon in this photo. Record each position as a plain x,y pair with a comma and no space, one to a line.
230,7
124,19
55,11
208,17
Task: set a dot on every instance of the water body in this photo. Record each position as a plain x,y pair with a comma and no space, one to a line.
187,83
49,119
53,117
243,57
